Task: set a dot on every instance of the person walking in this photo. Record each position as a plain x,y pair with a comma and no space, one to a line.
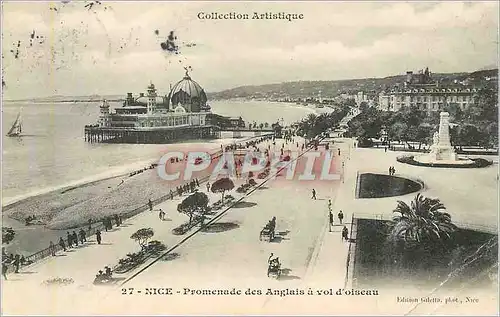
17,262
313,194
150,204
70,239
52,248
62,244
5,267
390,170
345,233
98,236
75,239
82,236
160,215
393,170
330,216
340,215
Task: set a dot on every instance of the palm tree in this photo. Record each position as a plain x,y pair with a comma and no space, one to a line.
423,223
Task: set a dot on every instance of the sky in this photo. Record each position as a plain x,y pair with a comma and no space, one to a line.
114,47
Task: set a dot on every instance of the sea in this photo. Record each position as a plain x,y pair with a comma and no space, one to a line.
53,154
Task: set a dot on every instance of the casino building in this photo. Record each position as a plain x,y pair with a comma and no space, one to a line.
151,118
422,91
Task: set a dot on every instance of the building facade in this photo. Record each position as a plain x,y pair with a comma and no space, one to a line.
419,90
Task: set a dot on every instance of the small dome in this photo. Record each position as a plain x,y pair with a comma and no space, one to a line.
189,93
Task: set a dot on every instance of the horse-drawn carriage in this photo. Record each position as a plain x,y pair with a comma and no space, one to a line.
268,230
274,268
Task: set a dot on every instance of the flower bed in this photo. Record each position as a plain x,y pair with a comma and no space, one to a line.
134,259
477,163
185,227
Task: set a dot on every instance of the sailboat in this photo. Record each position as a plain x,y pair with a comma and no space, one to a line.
16,128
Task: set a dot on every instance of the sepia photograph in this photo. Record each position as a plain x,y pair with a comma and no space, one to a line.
249,158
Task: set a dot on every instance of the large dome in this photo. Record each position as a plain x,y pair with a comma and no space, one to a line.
189,94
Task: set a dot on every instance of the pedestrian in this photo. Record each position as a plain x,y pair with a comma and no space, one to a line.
393,170
62,244
313,194
160,215
329,205
98,236
385,149
340,215
390,170
75,238
150,204
104,223
330,216
82,236
345,233
52,248
70,239
5,267
17,263
339,152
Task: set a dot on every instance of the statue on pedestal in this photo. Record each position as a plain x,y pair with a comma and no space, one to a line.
435,138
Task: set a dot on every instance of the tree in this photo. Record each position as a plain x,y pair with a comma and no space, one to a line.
422,224
142,236
221,186
195,203
7,235
363,106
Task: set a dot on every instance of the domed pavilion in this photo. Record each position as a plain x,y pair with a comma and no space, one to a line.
189,95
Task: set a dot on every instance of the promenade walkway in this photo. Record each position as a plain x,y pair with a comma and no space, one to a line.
312,257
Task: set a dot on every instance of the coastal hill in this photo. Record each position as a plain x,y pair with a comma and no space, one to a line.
301,89
298,89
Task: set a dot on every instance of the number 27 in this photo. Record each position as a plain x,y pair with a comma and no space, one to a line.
127,291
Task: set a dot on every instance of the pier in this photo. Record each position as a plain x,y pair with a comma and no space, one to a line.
153,135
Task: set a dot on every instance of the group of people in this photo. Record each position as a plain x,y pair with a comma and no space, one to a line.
188,187
30,219
340,216
10,259
392,170
247,144
72,238
107,222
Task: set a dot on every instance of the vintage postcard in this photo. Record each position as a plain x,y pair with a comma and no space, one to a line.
249,158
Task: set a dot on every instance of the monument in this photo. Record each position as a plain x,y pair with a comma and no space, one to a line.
441,151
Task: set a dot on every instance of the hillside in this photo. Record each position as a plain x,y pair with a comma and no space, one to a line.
302,89
297,89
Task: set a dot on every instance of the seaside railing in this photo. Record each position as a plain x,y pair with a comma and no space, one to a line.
47,252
